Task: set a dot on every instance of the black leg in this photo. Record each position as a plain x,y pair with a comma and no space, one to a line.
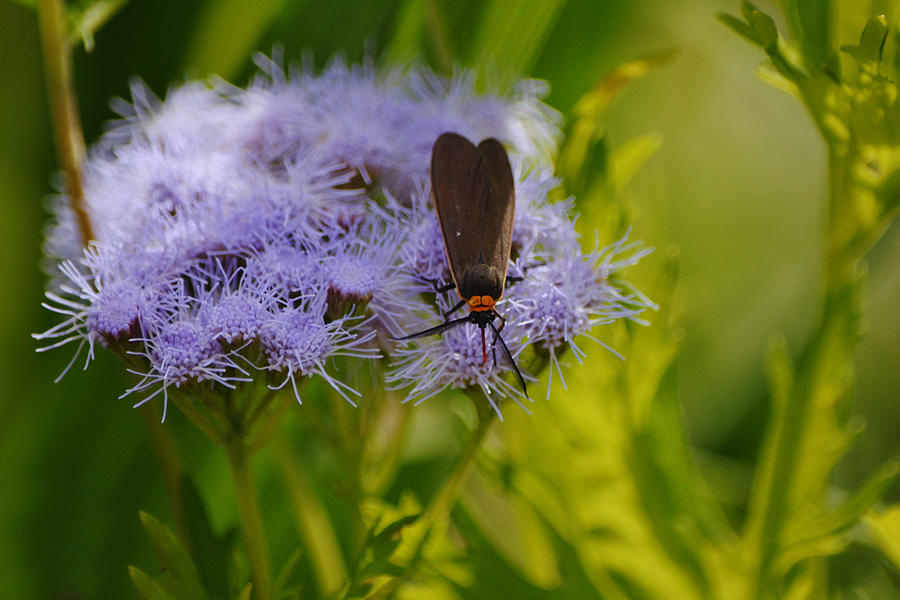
438,329
502,321
497,334
453,310
441,289
516,278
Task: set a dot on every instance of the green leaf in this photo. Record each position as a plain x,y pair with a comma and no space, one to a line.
629,157
510,35
406,42
832,65
742,28
809,536
86,20
870,50
764,28
211,552
862,500
815,34
779,371
228,32
313,522
757,27
889,192
621,437
884,527
387,540
181,579
246,592
511,524
584,154
493,576
809,430
147,586
374,562
760,29
871,42
288,569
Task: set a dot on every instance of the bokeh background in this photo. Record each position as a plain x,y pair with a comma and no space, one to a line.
738,186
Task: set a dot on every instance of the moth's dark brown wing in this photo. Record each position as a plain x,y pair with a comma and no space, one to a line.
459,183
499,210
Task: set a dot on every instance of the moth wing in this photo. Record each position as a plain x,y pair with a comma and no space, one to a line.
459,183
499,209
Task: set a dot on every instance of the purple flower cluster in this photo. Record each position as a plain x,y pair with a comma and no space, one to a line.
261,232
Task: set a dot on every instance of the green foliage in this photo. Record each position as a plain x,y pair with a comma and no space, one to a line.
509,35
148,588
855,108
585,162
88,17
885,529
854,104
597,494
211,552
178,579
375,566
242,22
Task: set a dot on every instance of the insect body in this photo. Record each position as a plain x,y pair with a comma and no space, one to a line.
474,197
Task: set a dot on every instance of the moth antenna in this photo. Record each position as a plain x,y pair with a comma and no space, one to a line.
434,330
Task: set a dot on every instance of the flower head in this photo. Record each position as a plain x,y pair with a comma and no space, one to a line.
259,233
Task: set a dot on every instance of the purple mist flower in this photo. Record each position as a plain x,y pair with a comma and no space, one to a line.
569,294
454,360
562,295
297,341
258,233
183,351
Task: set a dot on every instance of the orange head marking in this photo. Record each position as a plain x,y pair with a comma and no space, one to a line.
480,303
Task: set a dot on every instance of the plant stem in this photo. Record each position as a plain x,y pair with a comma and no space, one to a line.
66,124
251,521
313,523
442,502
776,502
170,465
270,424
201,421
777,495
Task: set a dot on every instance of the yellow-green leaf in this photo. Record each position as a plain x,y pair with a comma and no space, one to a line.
885,529
146,586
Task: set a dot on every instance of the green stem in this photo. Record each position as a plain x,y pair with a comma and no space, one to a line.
396,427
170,466
251,521
776,502
200,420
775,498
66,124
350,446
261,408
268,428
313,523
442,503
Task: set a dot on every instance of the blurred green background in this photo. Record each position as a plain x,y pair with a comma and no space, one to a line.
738,186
